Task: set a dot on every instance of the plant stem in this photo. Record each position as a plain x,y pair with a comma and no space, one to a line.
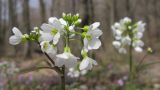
130,63
63,78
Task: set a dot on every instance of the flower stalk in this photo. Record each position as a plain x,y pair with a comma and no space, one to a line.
63,78
130,63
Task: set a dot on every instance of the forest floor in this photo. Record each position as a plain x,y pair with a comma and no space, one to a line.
102,77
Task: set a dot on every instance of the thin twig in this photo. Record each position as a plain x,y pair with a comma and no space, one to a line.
37,68
141,61
50,59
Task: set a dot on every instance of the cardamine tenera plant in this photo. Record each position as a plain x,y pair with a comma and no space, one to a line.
48,35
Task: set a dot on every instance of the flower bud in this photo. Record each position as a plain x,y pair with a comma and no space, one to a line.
67,49
85,28
149,50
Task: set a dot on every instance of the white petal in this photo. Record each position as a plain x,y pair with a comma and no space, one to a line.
138,49
141,26
83,72
63,55
94,43
66,59
56,38
44,45
122,50
84,64
95,33
138,43
139,35
56,23
76,74
116,44
118,37
94,62
71,69
117,25
51,50
45,37
46,27
71,28
52,19
63,21
70,63
48,48
16,31
88,64
59,62
52,56
126,40
73,57
118,32
126,19
85,42
79,20
95,25
14,40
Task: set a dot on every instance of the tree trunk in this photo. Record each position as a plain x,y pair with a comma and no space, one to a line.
42,10
12,18
52,8
26,18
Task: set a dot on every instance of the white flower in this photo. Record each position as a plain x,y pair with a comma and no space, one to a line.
125,20
51,31
48,48
126,32
138,49
87,63
122,50
115,27
116,44
45,36
16,38
139,43
56,24
126,40
67,59
139,35
79,20
73,73
83,72
71,29
140,26
63,21
91,40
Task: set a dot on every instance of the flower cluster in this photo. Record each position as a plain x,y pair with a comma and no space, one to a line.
128,33
49,34
74,73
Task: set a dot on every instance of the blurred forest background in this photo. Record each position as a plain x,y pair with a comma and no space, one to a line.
25,14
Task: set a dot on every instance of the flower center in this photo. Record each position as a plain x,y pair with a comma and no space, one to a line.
45,46
88,37
54,31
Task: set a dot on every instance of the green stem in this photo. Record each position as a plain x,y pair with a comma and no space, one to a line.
130,63
63,78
